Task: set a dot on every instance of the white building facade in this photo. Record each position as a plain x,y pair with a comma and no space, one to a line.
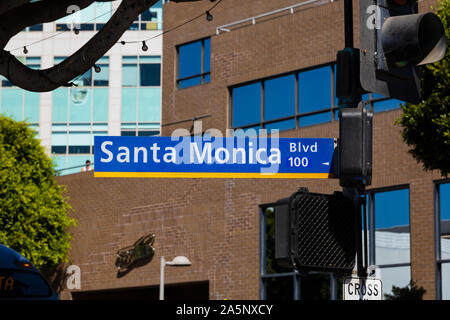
120,96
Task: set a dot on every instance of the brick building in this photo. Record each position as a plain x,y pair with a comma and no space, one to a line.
253,66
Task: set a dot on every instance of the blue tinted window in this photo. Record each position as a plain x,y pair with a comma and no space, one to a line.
392,209
150,74
36,27
85,79
100,104
194,62
207,56
314,119
12,102
392,232
80,104
129,75
247,105
59,108
281,125
190,82
59,162
314,89
59,138
386,105
103,12
444,192
190,63
76,161
149,104
101,79
141,101
279,97
31,107
444,204
129,103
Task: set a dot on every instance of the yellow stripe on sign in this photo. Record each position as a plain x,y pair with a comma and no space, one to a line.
213,175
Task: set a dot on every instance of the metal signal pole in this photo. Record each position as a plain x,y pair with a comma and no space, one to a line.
349,97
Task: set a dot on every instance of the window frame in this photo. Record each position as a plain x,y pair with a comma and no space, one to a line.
297,115
202,74
139,128
95,127
371,227
334,103
33,62
437,232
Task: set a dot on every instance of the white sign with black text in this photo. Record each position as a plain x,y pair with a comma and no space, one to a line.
362,289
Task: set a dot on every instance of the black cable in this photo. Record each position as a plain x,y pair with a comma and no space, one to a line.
61,32
175,27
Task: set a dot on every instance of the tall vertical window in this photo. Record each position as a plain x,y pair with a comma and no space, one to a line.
442,207
285,102
19,104
78,114
141,95
389,240
194,63
287,284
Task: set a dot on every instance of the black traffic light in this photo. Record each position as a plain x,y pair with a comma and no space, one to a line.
316,232
394,40
355,147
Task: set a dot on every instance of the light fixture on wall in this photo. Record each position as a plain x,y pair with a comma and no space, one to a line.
97,68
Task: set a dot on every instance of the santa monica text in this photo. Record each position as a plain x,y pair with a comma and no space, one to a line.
241,157
191,153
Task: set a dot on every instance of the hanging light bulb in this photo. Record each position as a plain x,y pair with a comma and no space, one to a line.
144,46
209,16
25,51
97,68
76,31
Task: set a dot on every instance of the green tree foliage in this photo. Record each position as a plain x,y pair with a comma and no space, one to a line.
33,213
410,292
426,126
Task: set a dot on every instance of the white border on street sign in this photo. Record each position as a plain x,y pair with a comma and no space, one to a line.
363,289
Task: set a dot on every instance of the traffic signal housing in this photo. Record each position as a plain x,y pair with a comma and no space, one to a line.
316,232
394,40
355,146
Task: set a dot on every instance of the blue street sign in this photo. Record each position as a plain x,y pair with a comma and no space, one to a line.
209,157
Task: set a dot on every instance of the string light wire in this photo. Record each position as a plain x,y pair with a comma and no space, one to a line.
58,33
122,42
175,27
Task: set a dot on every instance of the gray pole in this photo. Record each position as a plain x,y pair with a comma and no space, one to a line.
161,279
